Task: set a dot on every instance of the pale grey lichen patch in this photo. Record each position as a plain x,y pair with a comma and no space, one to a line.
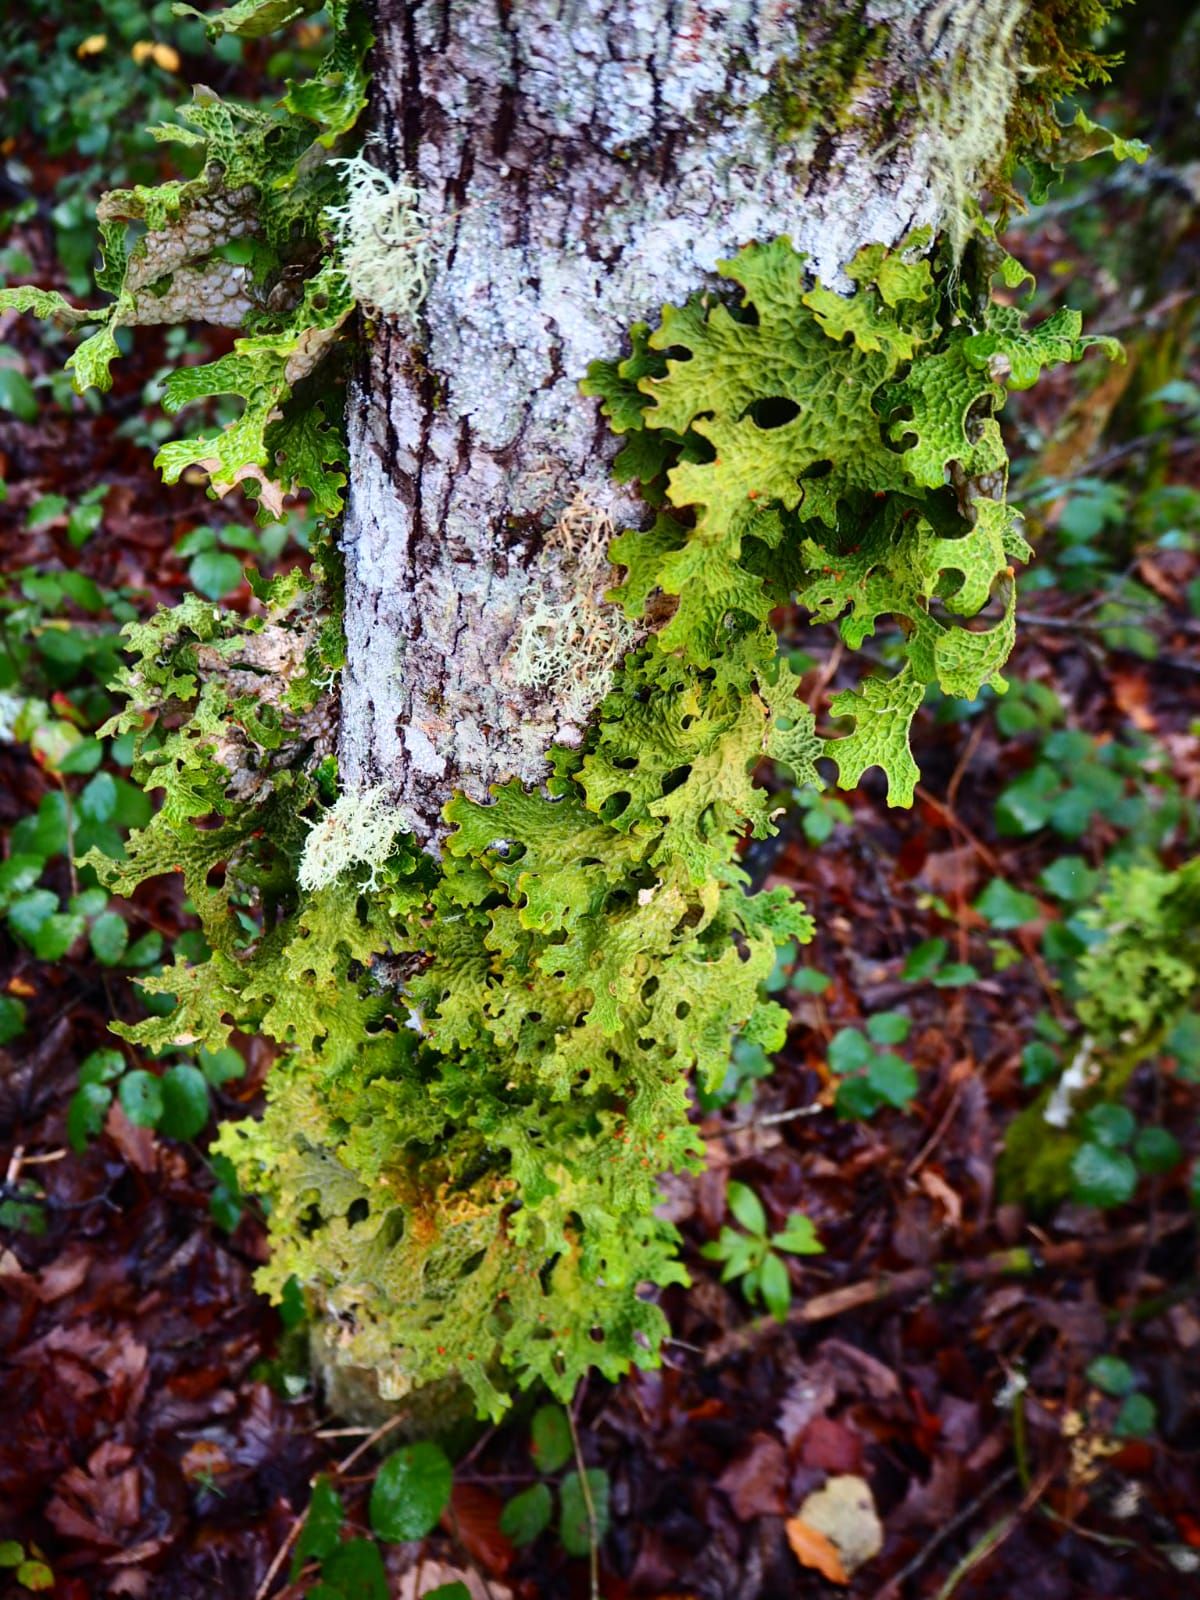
204,223
572,641
172,274
217,293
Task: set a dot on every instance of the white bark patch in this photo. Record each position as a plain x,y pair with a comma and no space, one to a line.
581,163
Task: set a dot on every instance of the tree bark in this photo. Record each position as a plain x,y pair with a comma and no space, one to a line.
581,162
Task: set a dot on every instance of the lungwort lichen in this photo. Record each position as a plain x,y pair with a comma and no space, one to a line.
486,1061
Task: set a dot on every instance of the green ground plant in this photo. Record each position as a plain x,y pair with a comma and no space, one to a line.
754,1255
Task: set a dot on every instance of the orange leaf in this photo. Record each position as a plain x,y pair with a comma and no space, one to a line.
1132,694
813,1549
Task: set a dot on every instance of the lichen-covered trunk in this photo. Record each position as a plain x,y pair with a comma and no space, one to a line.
581,162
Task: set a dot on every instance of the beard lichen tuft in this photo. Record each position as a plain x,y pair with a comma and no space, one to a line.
382,240
358,830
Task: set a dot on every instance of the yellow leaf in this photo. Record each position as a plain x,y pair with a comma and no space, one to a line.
92,45
142,51
166,57
813,1549
843,1515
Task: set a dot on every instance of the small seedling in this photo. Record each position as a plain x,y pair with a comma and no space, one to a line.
870,1077
754,1255
528,1514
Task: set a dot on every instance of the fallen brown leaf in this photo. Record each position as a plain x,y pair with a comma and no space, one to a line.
1132,694
755,1481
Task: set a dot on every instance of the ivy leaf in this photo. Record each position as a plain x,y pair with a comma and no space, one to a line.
109,936
1136,1418
1110,1125
410,1492
1156,1151
85,1114
322,1528
28,914
98,800
888,1027
575,1528
141,1097
56,935
185,1105
527,1514
354,1571
923,960
1101,1176
1113,1375
849,1051
551,1446
1004,907
893,1080
12,1018
215,573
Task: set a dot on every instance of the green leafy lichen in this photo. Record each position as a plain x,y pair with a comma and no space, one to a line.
844,450
463,1173
486,1060
241,246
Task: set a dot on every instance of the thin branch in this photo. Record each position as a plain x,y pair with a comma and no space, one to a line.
1021,1261
589,1506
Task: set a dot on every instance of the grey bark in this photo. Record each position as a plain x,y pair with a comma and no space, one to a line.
581,162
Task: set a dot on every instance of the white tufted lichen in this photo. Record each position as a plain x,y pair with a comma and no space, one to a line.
359,829
573,645
383,240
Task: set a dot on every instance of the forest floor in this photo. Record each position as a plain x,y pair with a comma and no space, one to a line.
161,1438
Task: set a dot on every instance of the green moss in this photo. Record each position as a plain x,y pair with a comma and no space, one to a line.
836,62
1061,57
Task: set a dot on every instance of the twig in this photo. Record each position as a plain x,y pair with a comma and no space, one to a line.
371,1439
987,856
1073,625
960,1520
585,1489
1021,1261
767,1120
281,1556
935,1138
992,1539
827,673
964,761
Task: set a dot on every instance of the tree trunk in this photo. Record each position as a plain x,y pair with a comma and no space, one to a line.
580,164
